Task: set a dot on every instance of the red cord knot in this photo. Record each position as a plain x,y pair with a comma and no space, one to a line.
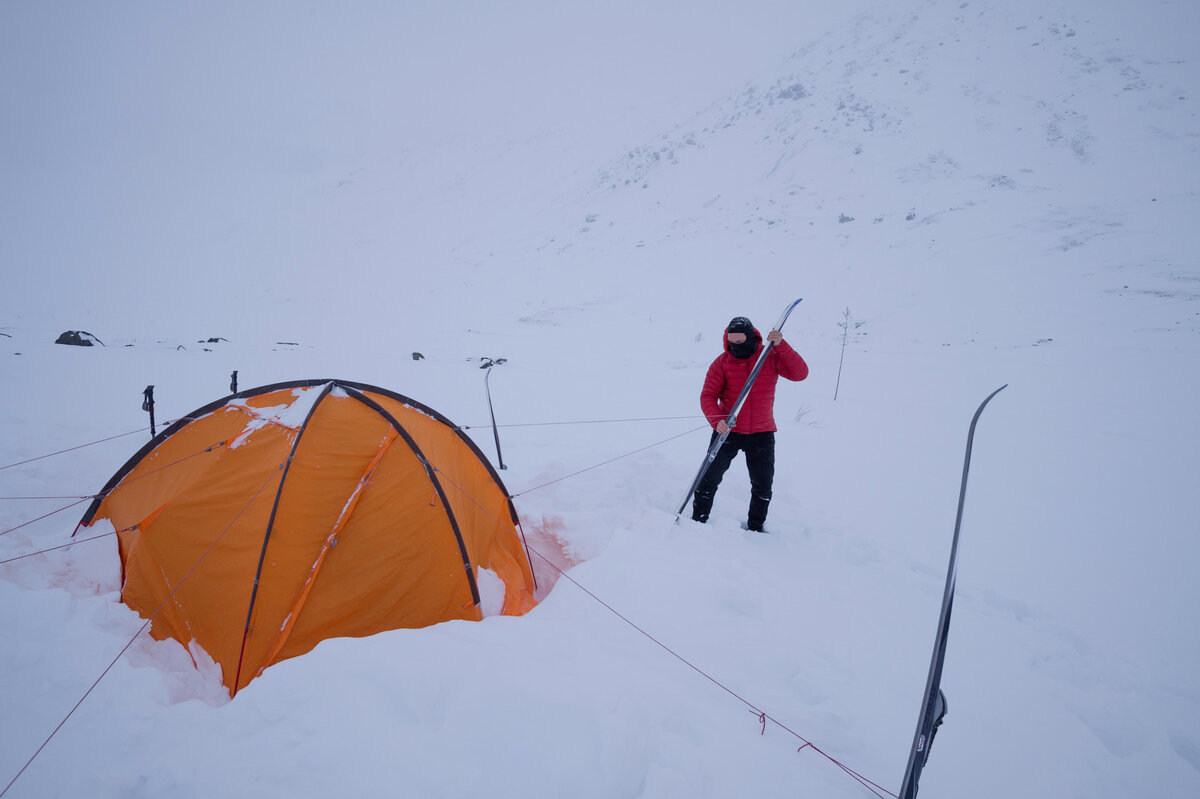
806,745
762,719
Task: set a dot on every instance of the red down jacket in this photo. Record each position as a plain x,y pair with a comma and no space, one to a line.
727,375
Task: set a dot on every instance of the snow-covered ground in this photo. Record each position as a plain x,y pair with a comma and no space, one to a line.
981,195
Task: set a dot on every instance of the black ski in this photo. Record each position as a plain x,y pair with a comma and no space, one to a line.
933,706
731,419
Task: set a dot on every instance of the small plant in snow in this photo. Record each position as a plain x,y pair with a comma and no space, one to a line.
847,324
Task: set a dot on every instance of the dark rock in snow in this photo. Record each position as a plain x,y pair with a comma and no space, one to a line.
78,338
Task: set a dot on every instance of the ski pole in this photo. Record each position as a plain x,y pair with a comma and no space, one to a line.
148,405
487,389
731,419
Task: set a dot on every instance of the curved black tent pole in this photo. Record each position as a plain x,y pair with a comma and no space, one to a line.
431,473
262,556
353,392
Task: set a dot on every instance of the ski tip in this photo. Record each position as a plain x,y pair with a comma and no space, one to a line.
786,313
984,404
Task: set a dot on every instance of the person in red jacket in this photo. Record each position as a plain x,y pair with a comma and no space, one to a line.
754,428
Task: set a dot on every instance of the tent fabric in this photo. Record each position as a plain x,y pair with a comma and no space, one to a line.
266,522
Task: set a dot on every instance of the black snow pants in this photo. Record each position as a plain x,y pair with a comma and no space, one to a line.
760,462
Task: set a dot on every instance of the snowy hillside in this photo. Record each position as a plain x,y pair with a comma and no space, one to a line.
974,195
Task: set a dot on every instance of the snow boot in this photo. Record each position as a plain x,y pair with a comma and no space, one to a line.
702,506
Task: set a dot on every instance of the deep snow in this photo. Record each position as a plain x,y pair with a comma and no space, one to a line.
987,195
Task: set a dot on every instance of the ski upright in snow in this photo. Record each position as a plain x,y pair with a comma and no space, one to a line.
933,705
731,419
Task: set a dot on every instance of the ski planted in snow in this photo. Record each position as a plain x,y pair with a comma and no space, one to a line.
731,419
933,706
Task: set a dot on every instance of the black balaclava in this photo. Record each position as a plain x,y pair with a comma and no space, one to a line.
740,324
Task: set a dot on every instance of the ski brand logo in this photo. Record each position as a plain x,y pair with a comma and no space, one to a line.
921,744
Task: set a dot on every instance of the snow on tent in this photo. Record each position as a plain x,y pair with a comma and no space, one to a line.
270,520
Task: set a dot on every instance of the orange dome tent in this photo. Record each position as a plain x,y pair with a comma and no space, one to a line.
268,521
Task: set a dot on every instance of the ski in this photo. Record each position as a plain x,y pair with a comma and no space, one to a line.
731,419
933,706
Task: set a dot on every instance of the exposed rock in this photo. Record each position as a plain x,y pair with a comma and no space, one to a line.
78,338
